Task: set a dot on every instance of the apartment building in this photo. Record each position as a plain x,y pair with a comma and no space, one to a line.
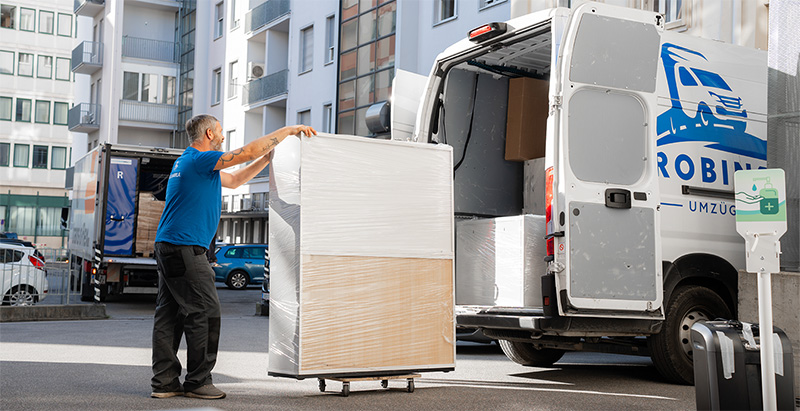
258,65
36,88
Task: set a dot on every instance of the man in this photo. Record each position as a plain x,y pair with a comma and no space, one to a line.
187,301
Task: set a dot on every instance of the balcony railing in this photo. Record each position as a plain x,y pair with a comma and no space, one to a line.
84,118
87,57
150,49
267,87
132,110
266,13
88,8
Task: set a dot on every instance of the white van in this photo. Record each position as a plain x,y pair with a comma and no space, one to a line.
625,137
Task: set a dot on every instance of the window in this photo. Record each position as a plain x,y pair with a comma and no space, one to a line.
42,112
40,156
62,68
234,253
45,67
130,86
64,25
6,62
219,17
676,12
22,220
366,63
23,110
25,65
229,139
8,16
304,117
49,221
233,75
444,10
168,90
306,49
60,111
483,4
5,153
46,21
256,253
5,108
58,161
27,19
149,88
327,116
21,155
216,85
234,20
330,51
225,203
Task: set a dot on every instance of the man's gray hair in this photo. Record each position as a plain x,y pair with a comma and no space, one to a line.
196,126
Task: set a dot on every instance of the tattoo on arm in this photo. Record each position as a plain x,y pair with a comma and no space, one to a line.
229,156
272,143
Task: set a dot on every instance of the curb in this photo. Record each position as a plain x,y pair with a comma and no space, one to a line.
53,313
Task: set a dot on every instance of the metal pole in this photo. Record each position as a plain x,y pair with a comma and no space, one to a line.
767,352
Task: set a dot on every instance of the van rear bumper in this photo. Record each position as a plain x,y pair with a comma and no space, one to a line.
534,321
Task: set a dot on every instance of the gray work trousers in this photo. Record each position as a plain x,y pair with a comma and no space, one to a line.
187,304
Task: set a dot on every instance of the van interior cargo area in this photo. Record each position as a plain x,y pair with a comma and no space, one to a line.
493,113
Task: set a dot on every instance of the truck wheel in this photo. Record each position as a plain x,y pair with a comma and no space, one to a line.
237,280
671,349
528,355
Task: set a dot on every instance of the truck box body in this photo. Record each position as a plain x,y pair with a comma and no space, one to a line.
643,131
118,197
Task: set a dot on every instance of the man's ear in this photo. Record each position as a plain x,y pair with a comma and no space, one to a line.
209,133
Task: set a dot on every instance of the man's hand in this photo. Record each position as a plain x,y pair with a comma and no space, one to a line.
307,130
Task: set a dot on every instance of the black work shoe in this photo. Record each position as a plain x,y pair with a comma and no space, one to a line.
166,394
206,392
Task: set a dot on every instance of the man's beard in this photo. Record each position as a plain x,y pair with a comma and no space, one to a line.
217,144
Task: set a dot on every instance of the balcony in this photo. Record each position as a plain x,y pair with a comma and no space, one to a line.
143,112
266,88
265,14
87,57
148,49
88,8
84,118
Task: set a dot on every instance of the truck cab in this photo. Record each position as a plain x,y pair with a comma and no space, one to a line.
588,118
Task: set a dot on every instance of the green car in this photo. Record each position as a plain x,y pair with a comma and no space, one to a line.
240,265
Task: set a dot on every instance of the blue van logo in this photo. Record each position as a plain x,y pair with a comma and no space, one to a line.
720,115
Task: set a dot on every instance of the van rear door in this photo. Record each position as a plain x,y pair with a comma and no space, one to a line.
606,180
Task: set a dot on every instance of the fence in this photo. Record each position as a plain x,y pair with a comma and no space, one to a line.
23,283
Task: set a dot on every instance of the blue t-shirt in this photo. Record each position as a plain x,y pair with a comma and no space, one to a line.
194,194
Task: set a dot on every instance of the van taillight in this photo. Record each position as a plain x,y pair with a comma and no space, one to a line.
548,204
486,32
36,262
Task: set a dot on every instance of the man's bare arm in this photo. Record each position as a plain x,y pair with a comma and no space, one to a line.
260,146
236,178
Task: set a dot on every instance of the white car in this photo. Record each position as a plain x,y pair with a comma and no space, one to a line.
23,280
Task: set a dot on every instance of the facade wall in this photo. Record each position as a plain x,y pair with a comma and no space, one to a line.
31,178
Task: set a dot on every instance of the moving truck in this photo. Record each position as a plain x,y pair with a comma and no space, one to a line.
117,200
625,138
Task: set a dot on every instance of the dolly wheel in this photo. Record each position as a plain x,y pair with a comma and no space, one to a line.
410,385
385,383
321,385
346,389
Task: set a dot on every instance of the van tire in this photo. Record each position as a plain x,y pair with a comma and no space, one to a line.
528,355
671,348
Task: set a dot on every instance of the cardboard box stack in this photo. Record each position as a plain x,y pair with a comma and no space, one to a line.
150,210
361,254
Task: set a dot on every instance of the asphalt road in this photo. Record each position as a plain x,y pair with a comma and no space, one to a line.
105,365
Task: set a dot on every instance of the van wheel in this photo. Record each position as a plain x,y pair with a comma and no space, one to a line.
528,355
237,280
21,295
671,349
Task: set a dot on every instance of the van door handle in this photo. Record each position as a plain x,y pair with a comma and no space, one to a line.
618,198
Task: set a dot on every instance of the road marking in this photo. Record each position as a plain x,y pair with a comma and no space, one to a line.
504,385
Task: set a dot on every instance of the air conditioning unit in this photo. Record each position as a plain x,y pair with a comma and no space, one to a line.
255,70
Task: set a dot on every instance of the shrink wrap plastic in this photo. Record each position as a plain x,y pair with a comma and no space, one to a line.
361,257
500,261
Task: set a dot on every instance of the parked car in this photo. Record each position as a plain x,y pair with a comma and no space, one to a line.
25,243
240,265
23,280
